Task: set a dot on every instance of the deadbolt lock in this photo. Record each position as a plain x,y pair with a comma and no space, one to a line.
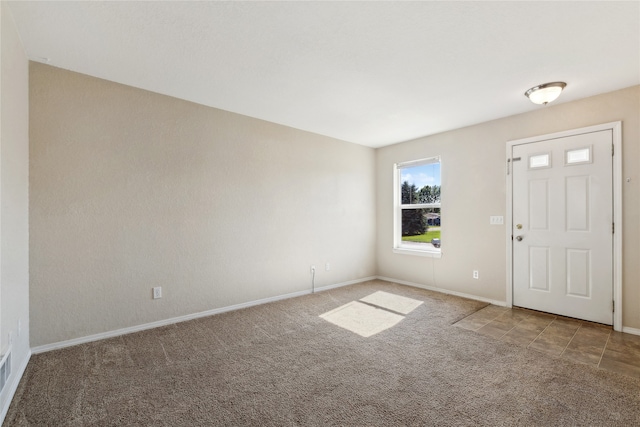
519,226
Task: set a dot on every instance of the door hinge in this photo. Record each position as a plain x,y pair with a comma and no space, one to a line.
613,306
613,228
612,146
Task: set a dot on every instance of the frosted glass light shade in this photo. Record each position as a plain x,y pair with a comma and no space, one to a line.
543,94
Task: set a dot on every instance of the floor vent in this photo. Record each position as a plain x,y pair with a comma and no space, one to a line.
5,369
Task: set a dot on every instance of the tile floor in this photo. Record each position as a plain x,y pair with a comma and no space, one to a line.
580,341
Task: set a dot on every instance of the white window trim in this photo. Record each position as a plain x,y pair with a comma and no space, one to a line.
397,210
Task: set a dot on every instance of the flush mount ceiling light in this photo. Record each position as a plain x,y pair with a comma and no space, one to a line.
545,93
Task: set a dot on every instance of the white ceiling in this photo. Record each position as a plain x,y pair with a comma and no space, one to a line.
372,73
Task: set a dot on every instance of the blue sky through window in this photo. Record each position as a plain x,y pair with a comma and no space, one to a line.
421,175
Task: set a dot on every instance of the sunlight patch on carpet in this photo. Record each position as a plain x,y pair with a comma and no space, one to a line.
362,319
392,302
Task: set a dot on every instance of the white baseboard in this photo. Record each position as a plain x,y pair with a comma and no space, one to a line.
444,291
14,386
350,282
170,321
632,331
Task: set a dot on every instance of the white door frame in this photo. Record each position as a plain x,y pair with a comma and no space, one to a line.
616,128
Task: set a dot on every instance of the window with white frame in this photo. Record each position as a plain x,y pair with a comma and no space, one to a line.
417,215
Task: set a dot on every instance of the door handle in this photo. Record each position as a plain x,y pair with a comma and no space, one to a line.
519,238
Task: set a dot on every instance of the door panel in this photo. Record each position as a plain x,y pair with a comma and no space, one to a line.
539,204
578,272
539,268
577,201
563,216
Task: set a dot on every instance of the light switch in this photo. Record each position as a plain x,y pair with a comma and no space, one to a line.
496,220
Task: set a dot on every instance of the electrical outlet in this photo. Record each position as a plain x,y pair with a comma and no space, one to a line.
157,292
475,274
327,267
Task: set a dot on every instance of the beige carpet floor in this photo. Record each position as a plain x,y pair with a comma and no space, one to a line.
281,364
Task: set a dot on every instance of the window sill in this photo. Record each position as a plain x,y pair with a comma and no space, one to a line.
417,252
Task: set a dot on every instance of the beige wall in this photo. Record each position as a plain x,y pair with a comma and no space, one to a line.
131,190
474,188
14,200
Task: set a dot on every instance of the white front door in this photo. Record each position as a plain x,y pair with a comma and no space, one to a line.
562,226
